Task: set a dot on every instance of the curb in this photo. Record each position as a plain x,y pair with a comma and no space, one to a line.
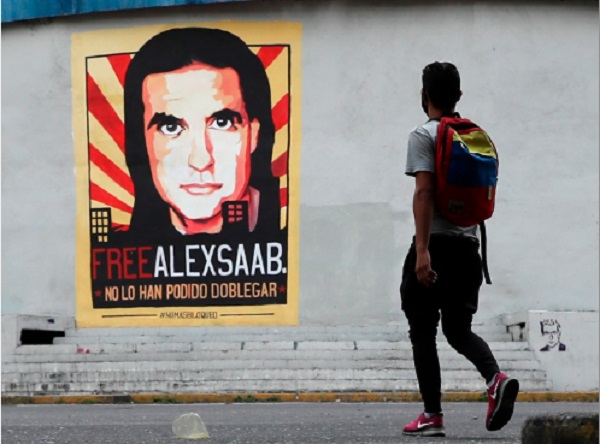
227,398
564,428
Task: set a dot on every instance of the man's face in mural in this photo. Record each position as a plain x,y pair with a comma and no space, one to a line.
199,139
552,334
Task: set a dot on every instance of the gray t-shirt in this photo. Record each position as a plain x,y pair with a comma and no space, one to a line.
420,156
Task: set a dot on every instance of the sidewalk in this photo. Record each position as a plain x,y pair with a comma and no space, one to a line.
263,423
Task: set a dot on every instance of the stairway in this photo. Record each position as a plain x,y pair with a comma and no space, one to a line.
249,360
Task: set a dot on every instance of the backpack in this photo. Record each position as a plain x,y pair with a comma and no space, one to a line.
466,173
466,170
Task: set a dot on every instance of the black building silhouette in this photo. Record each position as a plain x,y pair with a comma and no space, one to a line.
100,224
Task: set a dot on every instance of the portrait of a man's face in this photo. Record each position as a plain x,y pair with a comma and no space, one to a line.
550,329
552,334
199,135
199,140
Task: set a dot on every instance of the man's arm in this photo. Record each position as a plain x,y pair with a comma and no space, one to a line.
423,201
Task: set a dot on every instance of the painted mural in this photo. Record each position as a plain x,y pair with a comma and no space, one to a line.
187,146
550,329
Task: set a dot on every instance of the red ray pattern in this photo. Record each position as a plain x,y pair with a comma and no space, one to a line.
283,196
101,195
267,54
99,159
279,166
281,112
119,64
119,227
102,110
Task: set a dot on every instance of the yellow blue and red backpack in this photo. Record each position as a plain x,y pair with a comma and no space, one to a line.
466,170
466,173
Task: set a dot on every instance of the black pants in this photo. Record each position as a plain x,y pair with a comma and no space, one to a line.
454,296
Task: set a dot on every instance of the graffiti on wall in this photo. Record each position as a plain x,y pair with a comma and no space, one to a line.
550,329
187,151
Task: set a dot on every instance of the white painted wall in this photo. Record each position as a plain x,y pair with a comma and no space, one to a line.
576,367
530,76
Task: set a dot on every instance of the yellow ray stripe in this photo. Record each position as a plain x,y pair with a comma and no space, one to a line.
106,79
102,140
283,181
281,144
100,178
278,77
118,216
284,217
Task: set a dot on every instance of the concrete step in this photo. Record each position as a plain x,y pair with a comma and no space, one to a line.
46,356
281,375
323,332
132,366
490,331
282,366
249,385
490,336
108,347
249,359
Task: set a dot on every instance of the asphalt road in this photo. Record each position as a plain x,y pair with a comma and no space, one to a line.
261,423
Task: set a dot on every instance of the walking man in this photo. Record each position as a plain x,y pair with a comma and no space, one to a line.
442,273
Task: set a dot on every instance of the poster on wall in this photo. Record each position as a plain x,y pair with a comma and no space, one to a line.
187,149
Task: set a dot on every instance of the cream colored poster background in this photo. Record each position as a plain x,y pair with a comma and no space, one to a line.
91,74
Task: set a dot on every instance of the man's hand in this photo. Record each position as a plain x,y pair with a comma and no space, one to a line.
425,274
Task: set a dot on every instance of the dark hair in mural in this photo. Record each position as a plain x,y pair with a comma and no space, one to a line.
441,82
175,49
549,323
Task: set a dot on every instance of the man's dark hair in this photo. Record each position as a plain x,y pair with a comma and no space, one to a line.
175,49
441,82
549,323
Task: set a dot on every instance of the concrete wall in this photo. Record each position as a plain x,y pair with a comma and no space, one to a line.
530,76
564,343
571,364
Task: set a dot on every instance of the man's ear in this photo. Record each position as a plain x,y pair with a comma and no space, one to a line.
424,102
254,132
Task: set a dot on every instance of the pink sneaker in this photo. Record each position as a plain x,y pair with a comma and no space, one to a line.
423,426
501,400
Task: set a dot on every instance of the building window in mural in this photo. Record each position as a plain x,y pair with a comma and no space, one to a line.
189,157
551,332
